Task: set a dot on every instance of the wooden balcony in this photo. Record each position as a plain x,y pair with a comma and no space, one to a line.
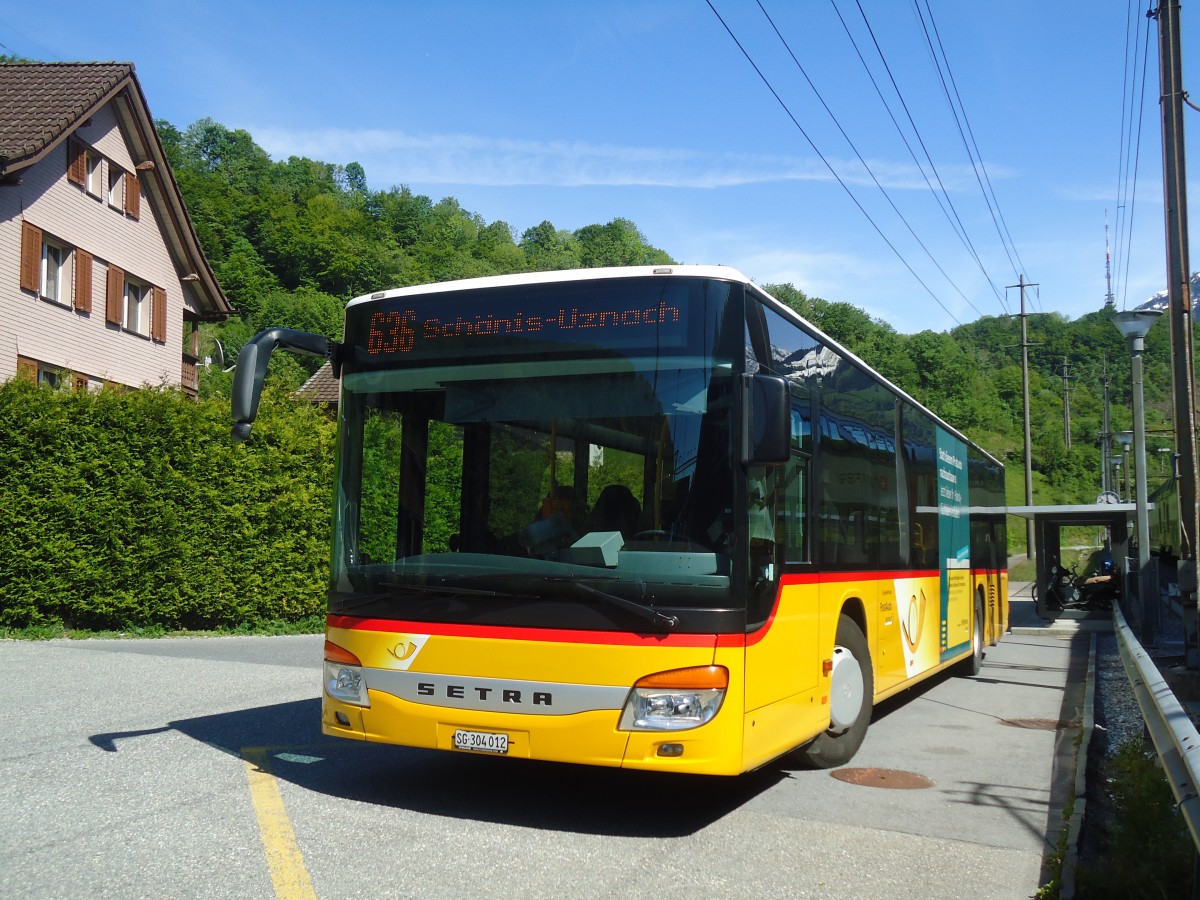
189,377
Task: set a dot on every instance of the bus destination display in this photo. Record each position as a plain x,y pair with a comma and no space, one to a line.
418,328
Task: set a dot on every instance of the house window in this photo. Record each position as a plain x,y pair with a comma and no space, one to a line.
137,308
56,273
116,187
54,378
95,174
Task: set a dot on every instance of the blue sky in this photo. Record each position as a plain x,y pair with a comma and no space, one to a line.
579,113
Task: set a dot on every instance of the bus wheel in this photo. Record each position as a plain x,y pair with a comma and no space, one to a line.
974,663
851,695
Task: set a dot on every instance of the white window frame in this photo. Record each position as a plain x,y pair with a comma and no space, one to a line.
116,187
94,179
56,280
136,306
55,378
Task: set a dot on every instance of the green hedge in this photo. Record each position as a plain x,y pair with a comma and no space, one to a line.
123,510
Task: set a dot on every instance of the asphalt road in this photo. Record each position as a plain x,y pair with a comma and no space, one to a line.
196,768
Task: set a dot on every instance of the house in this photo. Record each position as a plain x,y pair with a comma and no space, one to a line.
102,279
322,388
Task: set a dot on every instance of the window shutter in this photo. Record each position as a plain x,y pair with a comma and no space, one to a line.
158,315
114,297
80,381
27,368
133,196
76,162
31,257
83,281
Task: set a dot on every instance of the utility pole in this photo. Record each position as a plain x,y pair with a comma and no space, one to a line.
1066,377
1029,548
1106,436
1170,65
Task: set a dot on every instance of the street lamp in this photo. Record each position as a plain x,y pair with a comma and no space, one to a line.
1125,438
1162,461
1135,325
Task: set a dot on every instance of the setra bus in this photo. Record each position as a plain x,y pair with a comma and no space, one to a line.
635,517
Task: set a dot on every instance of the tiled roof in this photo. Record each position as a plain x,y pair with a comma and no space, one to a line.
322,387
42,104
39,102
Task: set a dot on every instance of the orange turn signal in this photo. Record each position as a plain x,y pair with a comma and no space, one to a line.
336,654
694,678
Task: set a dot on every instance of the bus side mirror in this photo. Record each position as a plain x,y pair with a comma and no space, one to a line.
252,369
766,420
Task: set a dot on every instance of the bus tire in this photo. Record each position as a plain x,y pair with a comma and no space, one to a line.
972,665
851,699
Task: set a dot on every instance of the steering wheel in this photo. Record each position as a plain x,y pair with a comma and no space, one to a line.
653,534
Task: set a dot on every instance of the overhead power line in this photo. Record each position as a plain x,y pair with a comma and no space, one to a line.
788,112
951,215
864,163
1129,151
958,111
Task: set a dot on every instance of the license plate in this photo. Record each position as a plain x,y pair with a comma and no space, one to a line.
481,741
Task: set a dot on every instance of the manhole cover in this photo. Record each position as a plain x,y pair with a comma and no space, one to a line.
884,778
1039,724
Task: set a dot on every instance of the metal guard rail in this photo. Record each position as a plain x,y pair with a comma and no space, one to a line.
1171,728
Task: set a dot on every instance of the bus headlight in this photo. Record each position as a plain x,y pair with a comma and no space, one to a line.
344,677
675,700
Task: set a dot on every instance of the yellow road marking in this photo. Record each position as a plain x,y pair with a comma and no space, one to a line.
284,860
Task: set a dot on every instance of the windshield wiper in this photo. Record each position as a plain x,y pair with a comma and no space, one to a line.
645,612
453,590
357,601
638,609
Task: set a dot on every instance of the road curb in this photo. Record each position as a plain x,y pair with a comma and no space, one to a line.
1075,825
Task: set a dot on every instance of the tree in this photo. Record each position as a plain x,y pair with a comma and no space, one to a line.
547,249
356,178
619,243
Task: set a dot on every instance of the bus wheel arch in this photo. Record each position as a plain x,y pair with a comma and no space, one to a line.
851,700
972,665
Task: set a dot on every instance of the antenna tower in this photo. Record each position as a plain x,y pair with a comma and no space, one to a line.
1110,302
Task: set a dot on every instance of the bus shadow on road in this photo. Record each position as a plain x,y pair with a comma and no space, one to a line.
526,793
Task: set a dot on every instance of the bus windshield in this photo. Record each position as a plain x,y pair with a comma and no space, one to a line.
519,459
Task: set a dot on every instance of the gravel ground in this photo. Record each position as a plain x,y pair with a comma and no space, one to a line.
1118,717
1119,720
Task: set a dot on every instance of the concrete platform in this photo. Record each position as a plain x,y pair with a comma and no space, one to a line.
1023,616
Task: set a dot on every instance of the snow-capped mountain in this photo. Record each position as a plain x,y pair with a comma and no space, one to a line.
1159,300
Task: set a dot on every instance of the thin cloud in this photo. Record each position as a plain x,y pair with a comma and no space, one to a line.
396,157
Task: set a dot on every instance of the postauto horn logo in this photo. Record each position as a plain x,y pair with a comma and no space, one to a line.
406,649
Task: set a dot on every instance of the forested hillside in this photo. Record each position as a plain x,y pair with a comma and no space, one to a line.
293,240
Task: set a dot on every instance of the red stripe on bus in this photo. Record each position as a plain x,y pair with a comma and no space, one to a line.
625,638
512,633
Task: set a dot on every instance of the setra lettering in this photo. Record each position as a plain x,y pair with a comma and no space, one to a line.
511,696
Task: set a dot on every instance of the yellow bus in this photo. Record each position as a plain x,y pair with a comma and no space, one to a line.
638,517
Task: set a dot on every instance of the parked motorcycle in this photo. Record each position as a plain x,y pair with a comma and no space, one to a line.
1066,589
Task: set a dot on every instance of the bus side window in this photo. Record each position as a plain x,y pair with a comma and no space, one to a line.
794,489
763,500
795,509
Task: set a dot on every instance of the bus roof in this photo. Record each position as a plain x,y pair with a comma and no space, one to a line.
558,275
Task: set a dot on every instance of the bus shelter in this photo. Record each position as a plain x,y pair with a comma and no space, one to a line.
1049,521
